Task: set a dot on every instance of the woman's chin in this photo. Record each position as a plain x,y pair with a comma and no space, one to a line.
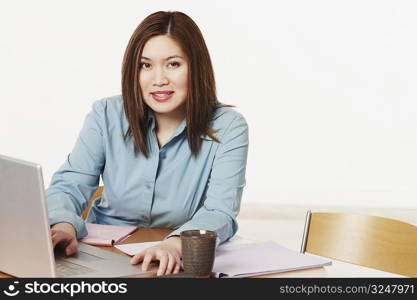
166,108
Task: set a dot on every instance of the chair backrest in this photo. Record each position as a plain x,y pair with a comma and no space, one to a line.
96,194
376,242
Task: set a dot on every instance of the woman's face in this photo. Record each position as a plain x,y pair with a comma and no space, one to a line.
163,77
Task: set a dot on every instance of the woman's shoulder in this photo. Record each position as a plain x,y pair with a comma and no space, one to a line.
110,112
112,104
110,109
227,118
226,114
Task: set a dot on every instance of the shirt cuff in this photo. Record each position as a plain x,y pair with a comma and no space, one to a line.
76,221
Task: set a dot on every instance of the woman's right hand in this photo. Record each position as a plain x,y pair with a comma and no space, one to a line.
64,236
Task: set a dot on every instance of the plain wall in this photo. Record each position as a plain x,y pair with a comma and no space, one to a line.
328,88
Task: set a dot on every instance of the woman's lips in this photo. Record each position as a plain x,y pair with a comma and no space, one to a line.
162,96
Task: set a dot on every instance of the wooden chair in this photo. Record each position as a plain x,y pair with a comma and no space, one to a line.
96,194
380,243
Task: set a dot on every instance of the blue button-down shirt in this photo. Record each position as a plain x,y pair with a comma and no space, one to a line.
169,189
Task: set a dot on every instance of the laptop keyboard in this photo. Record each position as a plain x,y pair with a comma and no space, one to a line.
66,269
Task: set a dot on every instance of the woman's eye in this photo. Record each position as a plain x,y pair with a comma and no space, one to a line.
174,64
145,66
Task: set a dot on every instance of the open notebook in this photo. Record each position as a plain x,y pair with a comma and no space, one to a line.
106,235
240,258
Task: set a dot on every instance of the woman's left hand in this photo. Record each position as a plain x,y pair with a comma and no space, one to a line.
167,252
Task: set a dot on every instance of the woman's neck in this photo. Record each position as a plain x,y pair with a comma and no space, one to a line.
166,123
169,121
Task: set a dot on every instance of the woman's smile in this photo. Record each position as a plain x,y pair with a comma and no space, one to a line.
162,96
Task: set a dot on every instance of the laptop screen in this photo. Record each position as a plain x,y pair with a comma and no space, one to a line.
26,248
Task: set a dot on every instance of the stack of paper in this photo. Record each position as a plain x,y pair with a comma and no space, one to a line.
261,258
106,235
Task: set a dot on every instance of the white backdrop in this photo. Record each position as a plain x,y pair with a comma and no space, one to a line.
328,87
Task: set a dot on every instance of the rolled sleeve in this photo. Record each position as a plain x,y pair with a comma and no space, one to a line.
75,182
225,187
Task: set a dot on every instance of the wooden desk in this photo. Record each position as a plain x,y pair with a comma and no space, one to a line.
153,234
148,235
338,269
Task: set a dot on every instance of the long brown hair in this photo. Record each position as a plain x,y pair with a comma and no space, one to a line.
201,97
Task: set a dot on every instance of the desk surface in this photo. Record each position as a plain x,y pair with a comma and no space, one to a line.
148,235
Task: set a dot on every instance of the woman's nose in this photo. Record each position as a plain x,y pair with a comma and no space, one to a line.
160,77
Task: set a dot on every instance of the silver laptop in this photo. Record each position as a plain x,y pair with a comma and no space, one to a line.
26,245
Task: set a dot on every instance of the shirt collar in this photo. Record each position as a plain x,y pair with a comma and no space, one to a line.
151,119
181,128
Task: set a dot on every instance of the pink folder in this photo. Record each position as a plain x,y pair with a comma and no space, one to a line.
106,235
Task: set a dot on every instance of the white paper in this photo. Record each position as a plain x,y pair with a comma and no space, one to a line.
135,248
261,258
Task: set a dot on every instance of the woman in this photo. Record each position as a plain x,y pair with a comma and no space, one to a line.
170,155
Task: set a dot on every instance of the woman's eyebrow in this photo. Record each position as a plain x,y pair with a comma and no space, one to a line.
174,56
168,58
